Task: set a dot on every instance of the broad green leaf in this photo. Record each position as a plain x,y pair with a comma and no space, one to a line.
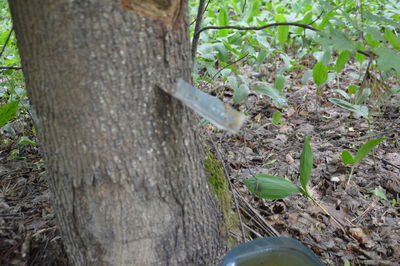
306,77
366,148
283,33
223,17
306,162
241,93
358,109
392,39
223,20
352,89
279,83
26,141
271,187
223,53
342,60
7,112
326,56
276,118
320,73
253,11
388,59
347,158
261,57
343,94
277,98
233,82
379,193
371,41
337,39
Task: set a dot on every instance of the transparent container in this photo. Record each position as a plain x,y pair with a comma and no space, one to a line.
271,251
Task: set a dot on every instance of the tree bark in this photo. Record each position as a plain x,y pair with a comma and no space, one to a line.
122,157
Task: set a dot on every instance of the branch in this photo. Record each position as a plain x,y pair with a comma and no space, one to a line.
256,28
199,18
197,33
10,67
6,42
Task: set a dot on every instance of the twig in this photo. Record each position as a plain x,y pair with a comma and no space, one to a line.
228,65
312,22
257,28
10,67
244,6
6,42
199,18
197,33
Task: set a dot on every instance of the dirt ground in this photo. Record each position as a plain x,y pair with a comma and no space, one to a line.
363,228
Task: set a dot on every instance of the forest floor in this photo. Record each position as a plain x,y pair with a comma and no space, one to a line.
363,228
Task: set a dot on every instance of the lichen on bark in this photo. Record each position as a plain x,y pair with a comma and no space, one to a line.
220,187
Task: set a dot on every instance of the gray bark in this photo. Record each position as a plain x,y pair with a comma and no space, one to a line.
122,158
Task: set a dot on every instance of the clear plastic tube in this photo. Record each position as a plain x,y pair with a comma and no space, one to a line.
222,115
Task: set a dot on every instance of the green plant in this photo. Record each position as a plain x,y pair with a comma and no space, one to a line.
274,187
237,33
363,151
361,110
8,112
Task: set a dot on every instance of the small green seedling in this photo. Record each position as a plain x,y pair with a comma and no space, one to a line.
275,187
379,193
24,140
347,158
276,118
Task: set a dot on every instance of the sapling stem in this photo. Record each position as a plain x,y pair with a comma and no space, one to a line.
326,212
350,175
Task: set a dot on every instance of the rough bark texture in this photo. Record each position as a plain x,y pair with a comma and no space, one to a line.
122,158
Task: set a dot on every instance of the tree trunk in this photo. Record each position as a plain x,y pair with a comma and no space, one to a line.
122,158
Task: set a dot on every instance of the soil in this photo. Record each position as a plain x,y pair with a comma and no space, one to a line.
362,227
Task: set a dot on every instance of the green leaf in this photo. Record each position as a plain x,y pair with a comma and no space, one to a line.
26,141
261,57
277,98
347,158
352,89
223,20
7,112
358,109
283,33
379,193
240,94
320,73
306,77
343,94
388,59
392,39
342,60
366,148
233,82
223,17
306,162
271,187
371,41
337,39
276,118
279,83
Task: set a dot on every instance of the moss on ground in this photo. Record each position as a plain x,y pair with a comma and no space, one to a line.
220,187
